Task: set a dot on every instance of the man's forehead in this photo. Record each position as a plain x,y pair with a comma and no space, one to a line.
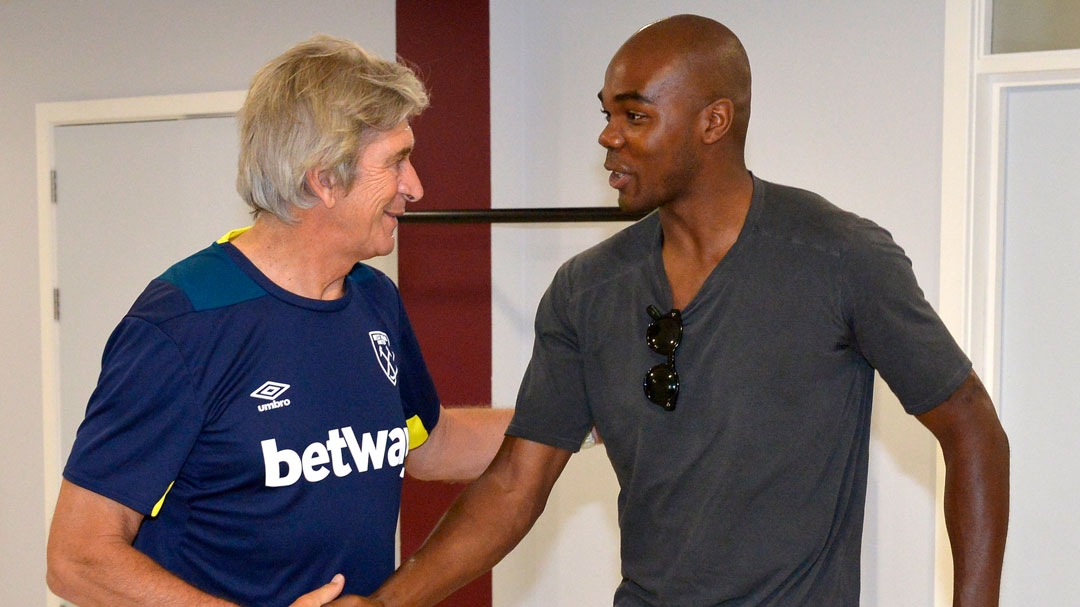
400,134
397,141
632,95
628,79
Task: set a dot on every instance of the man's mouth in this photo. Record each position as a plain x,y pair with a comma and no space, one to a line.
619,175
618,180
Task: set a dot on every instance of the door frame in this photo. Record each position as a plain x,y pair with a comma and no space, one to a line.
976,87
49,116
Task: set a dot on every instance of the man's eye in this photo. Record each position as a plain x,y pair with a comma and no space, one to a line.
634,116
606,115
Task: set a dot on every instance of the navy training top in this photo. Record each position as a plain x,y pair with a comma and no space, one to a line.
263,434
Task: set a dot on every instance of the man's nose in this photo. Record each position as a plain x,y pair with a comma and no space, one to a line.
410,185
610,137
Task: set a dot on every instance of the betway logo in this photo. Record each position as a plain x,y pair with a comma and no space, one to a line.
371,452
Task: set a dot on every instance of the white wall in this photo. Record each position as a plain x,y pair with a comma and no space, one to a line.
847,102
51,50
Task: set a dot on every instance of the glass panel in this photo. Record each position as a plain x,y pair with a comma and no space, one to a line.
1035,25
1039,353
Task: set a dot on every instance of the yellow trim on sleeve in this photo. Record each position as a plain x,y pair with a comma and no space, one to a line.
157,506
232,234
418,434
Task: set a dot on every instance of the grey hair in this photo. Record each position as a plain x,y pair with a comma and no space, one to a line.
315,106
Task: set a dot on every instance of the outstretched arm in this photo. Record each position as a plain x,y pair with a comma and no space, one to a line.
91,560
461,445
484,524
976,453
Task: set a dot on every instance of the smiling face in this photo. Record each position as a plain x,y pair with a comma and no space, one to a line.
651,110
385,181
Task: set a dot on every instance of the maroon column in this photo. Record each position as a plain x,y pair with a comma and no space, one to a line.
444,271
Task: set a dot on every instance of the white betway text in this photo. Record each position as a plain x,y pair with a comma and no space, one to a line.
284,467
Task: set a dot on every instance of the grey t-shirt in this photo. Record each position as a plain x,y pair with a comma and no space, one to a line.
751,491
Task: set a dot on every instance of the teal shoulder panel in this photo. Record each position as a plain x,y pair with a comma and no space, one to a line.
210,279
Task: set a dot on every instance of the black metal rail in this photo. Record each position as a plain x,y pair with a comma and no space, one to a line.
538,215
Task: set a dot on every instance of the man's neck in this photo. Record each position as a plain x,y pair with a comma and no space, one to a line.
700,229
296,257
704,224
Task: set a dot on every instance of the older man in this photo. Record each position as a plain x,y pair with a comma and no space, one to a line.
261,401
754,316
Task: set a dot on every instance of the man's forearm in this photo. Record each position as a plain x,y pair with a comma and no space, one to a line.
478,530
117,575
91,560
484,524
976,452
461,445
977,519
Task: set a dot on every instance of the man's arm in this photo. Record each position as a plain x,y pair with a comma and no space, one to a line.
461,445
484,524
91,560
976,454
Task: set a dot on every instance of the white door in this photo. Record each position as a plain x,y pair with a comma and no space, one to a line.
1040,330
1010,282
132,199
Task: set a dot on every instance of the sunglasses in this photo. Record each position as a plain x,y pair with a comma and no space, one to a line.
663,336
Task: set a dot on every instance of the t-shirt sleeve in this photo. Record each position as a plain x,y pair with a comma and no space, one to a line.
419,399
552,406
141,422
896,329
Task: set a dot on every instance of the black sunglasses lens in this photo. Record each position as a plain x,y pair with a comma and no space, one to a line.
664,335
662,386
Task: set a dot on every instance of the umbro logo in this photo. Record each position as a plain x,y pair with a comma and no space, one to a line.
270,391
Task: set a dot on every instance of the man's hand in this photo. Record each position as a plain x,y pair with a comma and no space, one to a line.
351,600
323,594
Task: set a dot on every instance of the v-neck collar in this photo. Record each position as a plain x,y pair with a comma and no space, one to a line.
720,275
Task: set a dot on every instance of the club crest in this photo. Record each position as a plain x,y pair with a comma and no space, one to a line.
381,343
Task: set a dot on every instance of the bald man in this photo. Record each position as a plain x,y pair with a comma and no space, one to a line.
725,349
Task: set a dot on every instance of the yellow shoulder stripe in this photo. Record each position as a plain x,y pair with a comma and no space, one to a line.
232,234
418,434
157,506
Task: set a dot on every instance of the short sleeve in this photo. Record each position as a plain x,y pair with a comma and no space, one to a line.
895,328
141,422
552,406
419,399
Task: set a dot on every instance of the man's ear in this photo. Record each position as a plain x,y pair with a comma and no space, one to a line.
718,118
322,184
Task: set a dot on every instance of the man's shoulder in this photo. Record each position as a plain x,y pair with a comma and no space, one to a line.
206,280
613,257
803,218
